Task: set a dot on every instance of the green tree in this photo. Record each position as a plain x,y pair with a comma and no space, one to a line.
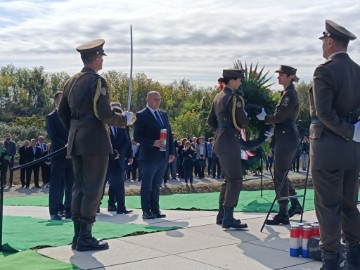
304,115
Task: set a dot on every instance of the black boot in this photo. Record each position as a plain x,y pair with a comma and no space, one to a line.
220,215
281,218
229,221
87,242
296,208
330,261
76,234
353,257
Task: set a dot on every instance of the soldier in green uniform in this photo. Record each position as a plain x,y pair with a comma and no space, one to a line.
227,116
286,142
85,111
335,148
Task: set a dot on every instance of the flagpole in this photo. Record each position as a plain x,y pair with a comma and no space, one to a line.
131,70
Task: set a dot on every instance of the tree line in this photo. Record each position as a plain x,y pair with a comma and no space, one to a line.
26,97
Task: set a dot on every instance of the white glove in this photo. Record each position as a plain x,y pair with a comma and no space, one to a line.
356,136
269,133
261,116
130,118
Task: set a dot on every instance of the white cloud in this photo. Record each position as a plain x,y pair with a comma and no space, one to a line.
173,39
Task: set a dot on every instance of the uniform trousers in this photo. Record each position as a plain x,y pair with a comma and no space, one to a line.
282,162
231,168
336,197
90,172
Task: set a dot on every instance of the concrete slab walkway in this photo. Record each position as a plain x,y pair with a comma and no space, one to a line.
200,244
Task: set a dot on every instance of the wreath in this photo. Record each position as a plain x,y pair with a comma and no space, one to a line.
255,90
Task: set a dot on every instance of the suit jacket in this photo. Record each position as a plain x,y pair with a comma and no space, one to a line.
30,155
334,94
286,134
22,154
147,130
10,148
121,142
226,139
56,132
88,124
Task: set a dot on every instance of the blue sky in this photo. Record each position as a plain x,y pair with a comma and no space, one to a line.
175,39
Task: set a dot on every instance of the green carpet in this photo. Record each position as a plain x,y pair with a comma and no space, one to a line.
249,201
21,233
31,260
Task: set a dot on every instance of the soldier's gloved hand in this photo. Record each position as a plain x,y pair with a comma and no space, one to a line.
130,118
356,136
261,116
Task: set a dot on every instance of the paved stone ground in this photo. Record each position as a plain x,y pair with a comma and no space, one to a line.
200,244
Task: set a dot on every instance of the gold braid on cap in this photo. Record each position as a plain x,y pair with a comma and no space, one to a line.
96,97
233,110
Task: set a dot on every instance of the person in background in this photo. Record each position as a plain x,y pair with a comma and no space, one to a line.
10,147
305,145
33,152
23,160
209,147
188,157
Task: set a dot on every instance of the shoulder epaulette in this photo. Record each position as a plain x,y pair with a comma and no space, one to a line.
326,62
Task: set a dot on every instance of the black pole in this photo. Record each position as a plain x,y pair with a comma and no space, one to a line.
282,183
306,181
57,152
1,200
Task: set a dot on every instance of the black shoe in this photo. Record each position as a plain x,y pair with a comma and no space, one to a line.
279,219
159,215
67,215
124,211
148,215
112,208
233,223
37,186
84,244
295,211
55,217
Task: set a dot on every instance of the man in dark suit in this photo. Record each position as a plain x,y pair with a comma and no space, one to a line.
335,147
10,147
62,175
155,153
121,143
22,160
85,111
45,174
32,152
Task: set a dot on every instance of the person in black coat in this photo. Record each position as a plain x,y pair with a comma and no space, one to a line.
32,152
61,171
22,160
188,157
121,142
